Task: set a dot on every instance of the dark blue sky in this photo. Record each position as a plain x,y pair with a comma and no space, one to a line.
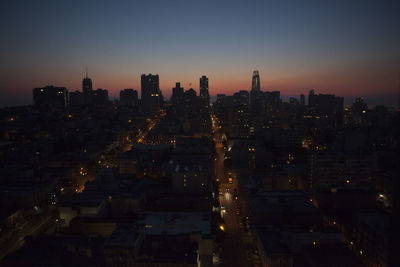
349,48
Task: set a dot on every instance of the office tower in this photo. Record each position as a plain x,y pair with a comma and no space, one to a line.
87,90
204,95
239,126
302,100
151,94
255,83
256,94
128,98
75,99
272,104
177,95
100,97
50,97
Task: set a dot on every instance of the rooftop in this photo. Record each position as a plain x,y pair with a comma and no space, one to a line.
175,223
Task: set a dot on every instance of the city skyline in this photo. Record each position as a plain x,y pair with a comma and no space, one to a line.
372,100
346,49
214,133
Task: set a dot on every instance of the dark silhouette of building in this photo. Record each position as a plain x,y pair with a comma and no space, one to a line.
177,95
204,94
190,97
75,99
239,124
128,98
327,107
255,82
151,94
256,94
50,97
87,88
100,97
359,112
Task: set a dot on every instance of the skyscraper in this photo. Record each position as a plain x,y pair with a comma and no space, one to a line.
150,89
87,90
177,95
204,94
256,94
255,83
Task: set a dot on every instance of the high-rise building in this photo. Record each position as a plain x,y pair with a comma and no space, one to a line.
50,97
239,125
128,98
151,94
256,96
255,83
204,94
177,95
87,88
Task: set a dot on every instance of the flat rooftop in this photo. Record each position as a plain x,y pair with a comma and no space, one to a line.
175,223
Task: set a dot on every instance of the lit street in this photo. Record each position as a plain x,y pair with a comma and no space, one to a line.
234,250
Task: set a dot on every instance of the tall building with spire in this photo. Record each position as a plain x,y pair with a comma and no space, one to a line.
87,88
255,82
256,96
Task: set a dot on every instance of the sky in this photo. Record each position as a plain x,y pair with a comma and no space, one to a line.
346,48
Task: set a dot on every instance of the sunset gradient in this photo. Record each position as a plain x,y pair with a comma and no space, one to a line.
348,48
